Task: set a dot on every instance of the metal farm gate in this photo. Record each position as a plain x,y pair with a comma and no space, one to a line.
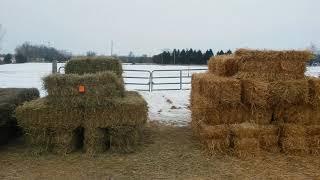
160,80
157,80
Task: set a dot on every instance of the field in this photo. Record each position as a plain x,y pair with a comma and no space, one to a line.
169,150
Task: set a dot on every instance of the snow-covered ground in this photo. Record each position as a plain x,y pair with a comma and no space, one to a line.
169,107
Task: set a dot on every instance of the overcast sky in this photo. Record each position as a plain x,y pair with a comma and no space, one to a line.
148,26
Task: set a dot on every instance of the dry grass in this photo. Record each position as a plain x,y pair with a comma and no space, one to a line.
167,153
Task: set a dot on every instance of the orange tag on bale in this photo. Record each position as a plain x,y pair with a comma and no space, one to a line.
82,89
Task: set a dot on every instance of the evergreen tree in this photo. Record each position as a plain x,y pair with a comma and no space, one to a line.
7,59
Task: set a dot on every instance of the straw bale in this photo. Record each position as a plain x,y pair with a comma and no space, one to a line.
314,144
39,113
299,114
217,115
219,90
213,132
93,65
314,90
292,130
245,147
269,138
269,77
257,115
267,55
224,65
256,93
65,141
218,145
313,130
294,145
286,93
99,88
40,138
130,110
245,130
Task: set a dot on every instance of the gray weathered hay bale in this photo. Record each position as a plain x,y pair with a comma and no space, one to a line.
63,90
225,65
10,98
93,65
41,114
128,111
59,141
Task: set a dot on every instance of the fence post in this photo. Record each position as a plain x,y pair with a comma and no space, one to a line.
54,66
180,79
150,82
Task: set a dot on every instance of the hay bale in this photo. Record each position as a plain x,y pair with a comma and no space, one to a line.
286,93
211,114
93,65
215,138
245,147
224,65
314,90
293,139
256,93
98,89
125,139
298,114
10,98
267,55
219,90
40,114
130,110
268,77
314,144
95,140
269,138
245,130
258,116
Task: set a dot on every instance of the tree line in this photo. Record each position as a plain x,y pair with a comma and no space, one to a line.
186,56
36,53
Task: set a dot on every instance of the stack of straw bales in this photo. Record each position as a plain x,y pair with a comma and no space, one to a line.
253,101
86,108
10,98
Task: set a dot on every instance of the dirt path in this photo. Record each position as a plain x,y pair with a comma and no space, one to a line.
167,153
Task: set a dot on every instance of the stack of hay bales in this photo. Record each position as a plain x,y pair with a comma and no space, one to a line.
86,108
257,100
10,98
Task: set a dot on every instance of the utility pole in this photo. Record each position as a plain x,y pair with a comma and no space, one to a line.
111,53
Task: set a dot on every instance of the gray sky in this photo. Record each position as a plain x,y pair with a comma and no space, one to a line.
147,26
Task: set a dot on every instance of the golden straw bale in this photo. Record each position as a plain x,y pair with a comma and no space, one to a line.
299,114
269,77
218,115
245,130
217,145
292,130
314,144
224,65
213,132
314,89
313,130
286,93
294,145
256,93
267,55
245,147
257,115
219,90
269,138
263,61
